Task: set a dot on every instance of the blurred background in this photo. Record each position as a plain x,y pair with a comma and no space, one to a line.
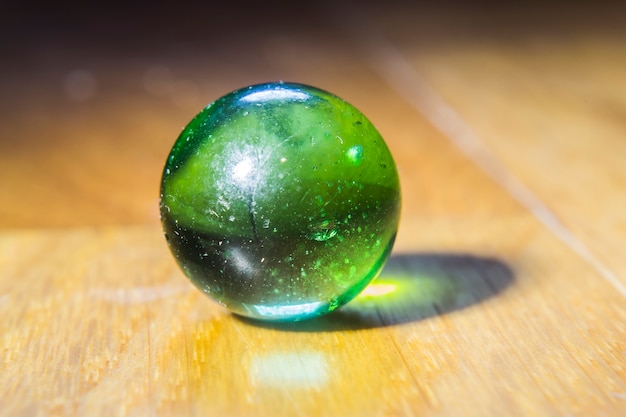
94,95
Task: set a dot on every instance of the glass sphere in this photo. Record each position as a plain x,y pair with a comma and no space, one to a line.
280,201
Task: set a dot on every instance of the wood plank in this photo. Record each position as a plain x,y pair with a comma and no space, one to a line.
481,310
543,93
102,322
491,315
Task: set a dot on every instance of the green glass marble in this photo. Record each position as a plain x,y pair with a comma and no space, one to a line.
280,201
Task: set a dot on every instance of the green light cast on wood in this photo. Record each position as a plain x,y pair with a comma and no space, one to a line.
280,201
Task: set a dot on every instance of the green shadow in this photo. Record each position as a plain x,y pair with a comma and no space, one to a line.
412,287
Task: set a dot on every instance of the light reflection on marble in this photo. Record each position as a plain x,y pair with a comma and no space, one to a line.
276,94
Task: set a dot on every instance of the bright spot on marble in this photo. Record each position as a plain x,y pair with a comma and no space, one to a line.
278,94
242,169
355,154
279,311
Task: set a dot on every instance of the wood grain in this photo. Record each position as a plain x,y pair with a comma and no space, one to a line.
482,309
543,94
102,322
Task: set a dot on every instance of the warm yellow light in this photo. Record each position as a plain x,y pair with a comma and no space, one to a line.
378,289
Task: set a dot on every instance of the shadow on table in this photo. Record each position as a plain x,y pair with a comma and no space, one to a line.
413,287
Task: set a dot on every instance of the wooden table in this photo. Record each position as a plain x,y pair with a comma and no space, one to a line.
505,293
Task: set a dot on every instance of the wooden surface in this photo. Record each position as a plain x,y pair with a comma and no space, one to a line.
505,293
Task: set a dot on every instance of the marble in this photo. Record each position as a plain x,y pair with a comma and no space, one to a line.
280,201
